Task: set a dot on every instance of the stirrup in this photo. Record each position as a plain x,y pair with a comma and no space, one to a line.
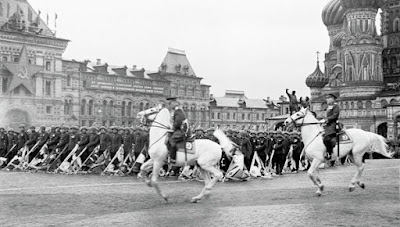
328,156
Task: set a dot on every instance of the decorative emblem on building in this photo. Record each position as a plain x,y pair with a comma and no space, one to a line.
22,72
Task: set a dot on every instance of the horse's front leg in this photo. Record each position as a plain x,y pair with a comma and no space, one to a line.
153,182
313,174
145,169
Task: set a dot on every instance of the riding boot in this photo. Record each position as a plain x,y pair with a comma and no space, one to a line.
329,149
172,155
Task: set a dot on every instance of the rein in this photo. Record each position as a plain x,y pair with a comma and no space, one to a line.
159,125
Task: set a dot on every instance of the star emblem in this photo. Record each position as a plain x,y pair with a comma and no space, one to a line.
22,72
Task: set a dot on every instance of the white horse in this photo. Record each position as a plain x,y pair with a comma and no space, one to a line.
311,133
207,153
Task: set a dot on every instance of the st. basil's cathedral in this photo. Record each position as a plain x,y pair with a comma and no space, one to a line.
362,67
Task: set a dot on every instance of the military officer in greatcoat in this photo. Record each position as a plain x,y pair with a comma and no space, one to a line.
54,138
33,137
3,142
332,116
94,140
73,141
84,138
181,129
128,140
42,138
261,146
199,133
116,141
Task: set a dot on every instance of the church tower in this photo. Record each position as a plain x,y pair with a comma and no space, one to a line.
362,49
391,41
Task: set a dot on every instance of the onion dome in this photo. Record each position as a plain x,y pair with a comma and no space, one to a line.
317,79
354,4
333,13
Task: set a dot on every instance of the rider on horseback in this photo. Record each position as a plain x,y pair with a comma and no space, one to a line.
332,116
181,129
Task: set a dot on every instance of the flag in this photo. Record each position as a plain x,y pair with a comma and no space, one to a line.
8,10
30,15
55,21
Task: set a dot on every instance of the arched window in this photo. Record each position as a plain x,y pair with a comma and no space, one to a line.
352,105
83,107
90,107
123,108
68,80
111,109
396,25
129,109
141,106
104,108
393,101
4,59
67,109
393,62
346,105
368,105
48,65
16,59
384,103
147,106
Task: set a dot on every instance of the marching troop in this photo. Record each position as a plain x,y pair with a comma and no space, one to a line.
121,150
72,149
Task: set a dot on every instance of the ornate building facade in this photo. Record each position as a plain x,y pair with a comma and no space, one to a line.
235,110
361,67
38,87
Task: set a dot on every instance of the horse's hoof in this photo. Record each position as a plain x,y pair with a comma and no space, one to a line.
318,194
322,187
193,200
165,198
351,189
148,182
362,185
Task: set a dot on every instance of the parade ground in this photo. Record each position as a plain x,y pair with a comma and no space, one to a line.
39,199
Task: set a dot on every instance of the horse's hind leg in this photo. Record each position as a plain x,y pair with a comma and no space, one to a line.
205,175
153,182
216,173
357,159
313,174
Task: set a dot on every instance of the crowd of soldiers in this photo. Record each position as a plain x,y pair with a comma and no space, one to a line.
117,149
274,148
72,148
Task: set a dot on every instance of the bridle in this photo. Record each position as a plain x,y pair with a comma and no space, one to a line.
158,125
152,122
302,123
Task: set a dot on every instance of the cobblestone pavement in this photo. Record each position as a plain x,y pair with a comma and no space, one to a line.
37,199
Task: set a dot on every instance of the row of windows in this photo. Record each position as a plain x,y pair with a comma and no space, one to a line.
360,105
16,59
240,116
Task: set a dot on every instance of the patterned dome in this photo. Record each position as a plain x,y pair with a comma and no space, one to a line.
333,13
353,4
317,79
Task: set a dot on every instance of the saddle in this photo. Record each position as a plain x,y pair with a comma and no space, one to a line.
190,147
344,138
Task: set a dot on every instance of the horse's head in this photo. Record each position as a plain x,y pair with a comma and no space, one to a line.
148,115
297,118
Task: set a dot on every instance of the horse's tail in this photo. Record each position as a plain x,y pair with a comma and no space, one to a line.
379,145
224,141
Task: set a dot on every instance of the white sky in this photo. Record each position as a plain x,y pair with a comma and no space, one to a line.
260,46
